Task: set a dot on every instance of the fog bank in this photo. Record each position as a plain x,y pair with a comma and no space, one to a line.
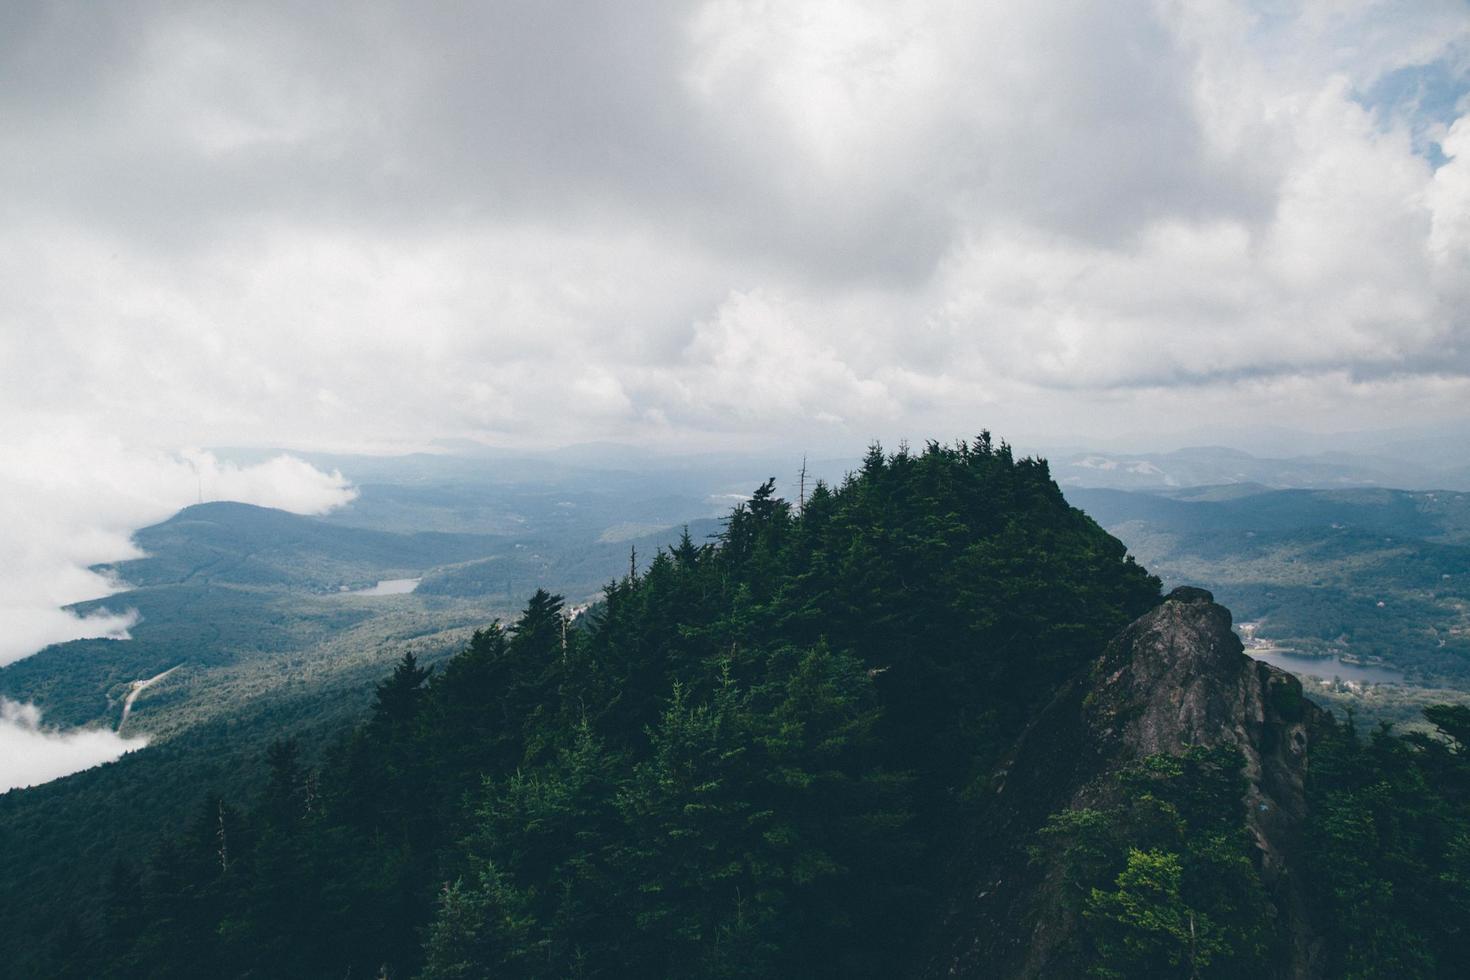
31,753
72,499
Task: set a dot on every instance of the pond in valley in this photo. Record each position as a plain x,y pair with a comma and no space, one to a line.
390,586
1327,667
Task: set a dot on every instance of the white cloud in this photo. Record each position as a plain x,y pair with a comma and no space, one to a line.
1448,198
32,627
70,499
766,361
31,753
283,482
231,227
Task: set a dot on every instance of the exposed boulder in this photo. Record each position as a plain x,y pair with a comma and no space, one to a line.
1177,677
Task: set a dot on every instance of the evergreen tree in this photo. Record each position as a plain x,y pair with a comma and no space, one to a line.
749,760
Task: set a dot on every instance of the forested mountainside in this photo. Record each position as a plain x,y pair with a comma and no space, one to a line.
1181,810
790,752
255,620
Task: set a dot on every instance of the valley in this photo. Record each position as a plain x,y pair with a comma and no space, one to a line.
256,624
1364,593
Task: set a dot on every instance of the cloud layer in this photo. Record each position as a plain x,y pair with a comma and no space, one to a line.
521,223
72,499
31,754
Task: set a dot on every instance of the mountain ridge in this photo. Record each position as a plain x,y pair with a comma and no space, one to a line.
935,721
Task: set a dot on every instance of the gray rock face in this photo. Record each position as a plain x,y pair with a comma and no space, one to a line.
1177,677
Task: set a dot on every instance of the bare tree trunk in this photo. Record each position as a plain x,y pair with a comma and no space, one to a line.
224,844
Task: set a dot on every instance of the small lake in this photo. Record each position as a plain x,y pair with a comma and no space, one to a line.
390,586
1327,667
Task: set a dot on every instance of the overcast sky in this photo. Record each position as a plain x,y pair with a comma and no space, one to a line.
718,225
376,225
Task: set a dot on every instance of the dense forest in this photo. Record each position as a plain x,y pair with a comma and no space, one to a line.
1166,884
756,758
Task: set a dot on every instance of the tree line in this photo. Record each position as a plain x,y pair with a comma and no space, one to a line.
753,760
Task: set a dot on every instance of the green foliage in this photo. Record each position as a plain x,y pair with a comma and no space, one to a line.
1162,876
244,545
1390,824
750,762
1145,928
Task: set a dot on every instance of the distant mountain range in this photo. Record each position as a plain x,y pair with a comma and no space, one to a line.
1362,575
1217,465
477,489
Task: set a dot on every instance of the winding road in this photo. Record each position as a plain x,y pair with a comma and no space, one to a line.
137,688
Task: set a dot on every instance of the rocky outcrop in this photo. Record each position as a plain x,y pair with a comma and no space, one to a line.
1177,677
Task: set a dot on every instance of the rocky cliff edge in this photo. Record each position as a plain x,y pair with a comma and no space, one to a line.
1177,677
